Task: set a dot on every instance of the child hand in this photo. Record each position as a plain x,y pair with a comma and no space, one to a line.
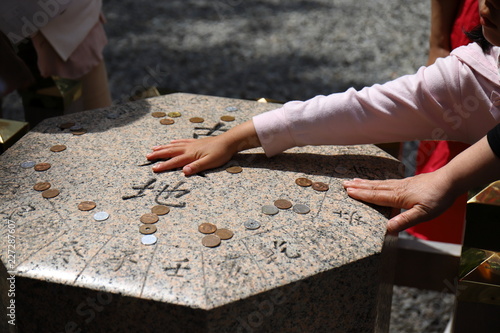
194,155
424,197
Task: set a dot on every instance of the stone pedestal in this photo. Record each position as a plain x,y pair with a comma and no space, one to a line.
324,271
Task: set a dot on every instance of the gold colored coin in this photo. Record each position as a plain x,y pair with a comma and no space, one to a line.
57,148
149,218
319,186
147,229
160,210
42,166
167,121
79,132
283,204
234,169
86,205
196,120
158,114
42,186
304,182
174,114
207,228
50,193
66,125
210,241
224,234
227,118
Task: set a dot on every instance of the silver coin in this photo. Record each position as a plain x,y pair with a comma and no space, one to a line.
231,109
28,164
270,210
76,127
112,115
252,224
301,209
101,216
149,239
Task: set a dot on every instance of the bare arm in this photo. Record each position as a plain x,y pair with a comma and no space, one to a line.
427,195
443,13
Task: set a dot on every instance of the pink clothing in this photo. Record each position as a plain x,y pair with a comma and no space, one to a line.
454,99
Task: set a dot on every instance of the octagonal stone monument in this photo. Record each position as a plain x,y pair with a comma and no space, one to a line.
62,270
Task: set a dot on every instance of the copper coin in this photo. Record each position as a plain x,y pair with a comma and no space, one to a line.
160,210
42,166
304,182
207,228
283,204
66,125
227,118
196,120
167,121
174,114
42,186
147,229
80,132
50,193
149,218
210,241
234,169
158,114
57,148
224,234
319,186
86,205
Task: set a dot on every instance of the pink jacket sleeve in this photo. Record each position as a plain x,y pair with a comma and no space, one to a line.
445,101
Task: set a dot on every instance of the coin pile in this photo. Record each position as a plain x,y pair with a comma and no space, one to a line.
74,128
213,234
149,219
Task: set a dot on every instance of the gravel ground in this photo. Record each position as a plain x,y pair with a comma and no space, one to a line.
277,49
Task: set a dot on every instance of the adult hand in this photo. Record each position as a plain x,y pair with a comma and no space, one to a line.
424,197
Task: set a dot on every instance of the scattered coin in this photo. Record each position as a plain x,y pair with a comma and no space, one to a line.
160,210
42,186
80,132
147,229
64,126
86,205
252,224
319,186
301,209
227,118
304,182
50,193
101,216
149,239
340,169
196,120
28,164
174,114
234,169
113,115
149,218
283,204
167,121
57,148
207,228
76,127
270,210
210,241
158,114
42,166
224,234
231,109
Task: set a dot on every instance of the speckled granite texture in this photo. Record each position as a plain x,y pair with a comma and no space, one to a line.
317,272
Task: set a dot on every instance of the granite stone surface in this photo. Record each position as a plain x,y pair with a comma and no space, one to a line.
320,271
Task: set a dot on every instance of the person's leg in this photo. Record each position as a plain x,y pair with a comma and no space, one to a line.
95,89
